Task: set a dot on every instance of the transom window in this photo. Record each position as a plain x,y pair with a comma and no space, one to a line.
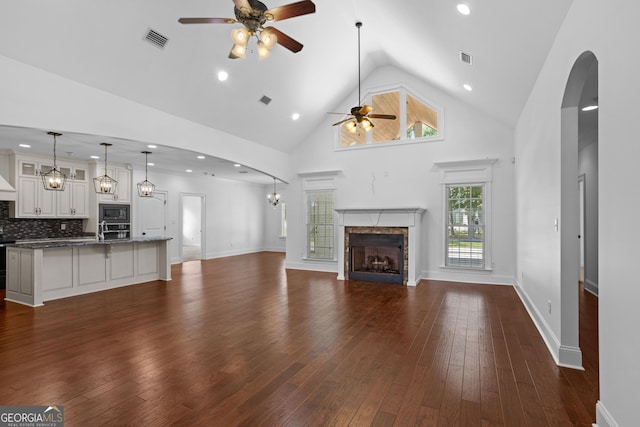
416,121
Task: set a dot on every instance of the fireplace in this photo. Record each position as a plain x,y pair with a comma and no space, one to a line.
405,222
376,257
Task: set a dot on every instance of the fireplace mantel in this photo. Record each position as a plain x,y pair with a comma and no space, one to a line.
410,217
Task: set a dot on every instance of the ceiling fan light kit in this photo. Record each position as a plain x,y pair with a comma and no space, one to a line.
359,117
253,14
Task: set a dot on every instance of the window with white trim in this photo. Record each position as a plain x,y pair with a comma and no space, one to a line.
465,226
466,189
417,120
320,230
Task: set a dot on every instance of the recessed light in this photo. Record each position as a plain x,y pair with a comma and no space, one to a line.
223,75
463,9
151,164
295,116
189,170
237,165
95,157
201,157
590,108
24,145
467,87
152,146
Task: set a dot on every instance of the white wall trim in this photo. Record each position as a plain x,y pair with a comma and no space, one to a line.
550,339
603,417
482,277
224,254
565,356
312,266
591,287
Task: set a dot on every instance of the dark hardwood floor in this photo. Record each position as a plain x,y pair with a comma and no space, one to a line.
242,341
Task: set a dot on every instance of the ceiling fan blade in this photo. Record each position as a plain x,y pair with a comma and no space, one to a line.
365,109
290,10
342,121
382,116
207,21
286,41
242,4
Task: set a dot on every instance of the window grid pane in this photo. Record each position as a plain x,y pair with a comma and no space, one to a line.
320,225
466,226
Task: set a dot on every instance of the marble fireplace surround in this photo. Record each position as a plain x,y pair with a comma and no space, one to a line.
371,218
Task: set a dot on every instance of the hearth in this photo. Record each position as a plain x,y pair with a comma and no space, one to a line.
376,257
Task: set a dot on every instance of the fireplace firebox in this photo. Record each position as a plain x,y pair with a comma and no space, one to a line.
376,257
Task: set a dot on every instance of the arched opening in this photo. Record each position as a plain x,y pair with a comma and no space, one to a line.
578,207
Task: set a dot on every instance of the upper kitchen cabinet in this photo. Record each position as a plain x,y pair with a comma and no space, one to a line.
33,201
73,202
123,189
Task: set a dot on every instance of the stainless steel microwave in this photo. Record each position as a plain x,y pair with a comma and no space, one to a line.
114,213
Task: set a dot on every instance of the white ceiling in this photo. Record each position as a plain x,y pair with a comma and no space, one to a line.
101,44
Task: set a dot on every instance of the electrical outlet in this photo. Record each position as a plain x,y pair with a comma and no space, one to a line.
549,305
63,227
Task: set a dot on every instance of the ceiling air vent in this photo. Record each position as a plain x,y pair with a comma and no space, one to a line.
265,100
466,58
156,38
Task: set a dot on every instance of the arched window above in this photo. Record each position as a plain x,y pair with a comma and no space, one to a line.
416,121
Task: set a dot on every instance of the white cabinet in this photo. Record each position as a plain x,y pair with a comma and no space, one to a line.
123,190
73,202
34,201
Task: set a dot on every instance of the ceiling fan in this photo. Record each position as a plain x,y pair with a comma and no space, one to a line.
359,115
253,14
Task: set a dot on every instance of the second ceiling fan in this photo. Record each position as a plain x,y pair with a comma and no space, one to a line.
253,14
359,115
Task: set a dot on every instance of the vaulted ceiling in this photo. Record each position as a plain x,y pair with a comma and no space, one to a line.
103,45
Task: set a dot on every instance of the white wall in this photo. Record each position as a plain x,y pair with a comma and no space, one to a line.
273,240
234,212
608,29
405,176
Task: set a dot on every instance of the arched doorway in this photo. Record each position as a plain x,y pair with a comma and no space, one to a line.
579,130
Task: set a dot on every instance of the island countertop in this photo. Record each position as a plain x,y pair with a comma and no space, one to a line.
58,243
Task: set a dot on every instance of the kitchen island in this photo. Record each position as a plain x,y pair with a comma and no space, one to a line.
48,270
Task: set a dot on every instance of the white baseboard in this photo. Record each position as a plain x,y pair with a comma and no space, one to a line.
312,266
467,276
591,286
603,417
224,254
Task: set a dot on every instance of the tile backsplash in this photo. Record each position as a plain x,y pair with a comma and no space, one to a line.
37,228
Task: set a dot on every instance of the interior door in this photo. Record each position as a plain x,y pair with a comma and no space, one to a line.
153,216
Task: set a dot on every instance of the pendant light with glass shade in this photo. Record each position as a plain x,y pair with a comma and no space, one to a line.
145,188
274,198
54,180
105,184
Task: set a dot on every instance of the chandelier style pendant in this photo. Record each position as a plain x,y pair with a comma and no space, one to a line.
274,198
105,184
54,180
145,188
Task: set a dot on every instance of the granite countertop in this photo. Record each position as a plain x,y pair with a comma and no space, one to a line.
58,243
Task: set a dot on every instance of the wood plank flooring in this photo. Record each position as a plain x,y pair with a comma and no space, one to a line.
242,341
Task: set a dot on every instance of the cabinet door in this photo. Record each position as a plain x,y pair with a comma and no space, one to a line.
80,199
27,197
124,185
46,200
64,201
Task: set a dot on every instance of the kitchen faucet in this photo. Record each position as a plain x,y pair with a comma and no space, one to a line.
102,228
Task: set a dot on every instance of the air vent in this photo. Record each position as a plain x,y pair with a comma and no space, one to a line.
265,100
243,171
466,58
156,38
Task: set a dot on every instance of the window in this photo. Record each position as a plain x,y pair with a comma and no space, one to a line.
465,226
466,213
417,121
320,225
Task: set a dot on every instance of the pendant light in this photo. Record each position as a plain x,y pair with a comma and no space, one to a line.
54,180
274,198
105,184
145,188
